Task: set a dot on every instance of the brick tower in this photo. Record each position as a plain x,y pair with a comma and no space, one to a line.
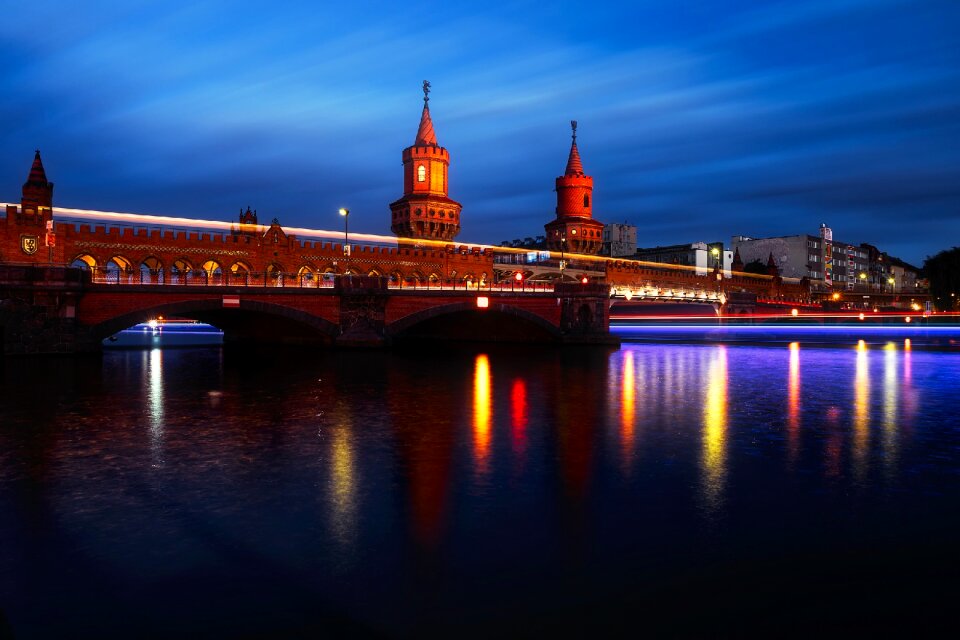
574,228
37,190
425,211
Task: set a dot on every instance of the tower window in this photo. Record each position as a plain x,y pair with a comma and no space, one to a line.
586,201
421,173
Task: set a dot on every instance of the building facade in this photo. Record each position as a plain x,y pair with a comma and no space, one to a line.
619,240
702,256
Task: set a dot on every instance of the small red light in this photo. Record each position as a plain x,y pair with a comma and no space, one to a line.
584,280
519,276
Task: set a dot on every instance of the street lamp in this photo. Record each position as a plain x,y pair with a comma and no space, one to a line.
563,243
346,226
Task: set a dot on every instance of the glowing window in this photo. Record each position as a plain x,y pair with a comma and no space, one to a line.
421,173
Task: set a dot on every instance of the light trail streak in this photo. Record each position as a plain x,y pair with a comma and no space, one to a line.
119,218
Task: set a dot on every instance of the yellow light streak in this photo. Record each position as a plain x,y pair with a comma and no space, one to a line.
119,218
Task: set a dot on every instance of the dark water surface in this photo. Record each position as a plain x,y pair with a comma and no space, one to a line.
678,489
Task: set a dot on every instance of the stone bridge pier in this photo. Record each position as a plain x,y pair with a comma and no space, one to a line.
38,307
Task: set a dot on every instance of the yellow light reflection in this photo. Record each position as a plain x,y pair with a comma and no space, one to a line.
343,483
481,413
861,412
793,403
628,393
713,459
891,402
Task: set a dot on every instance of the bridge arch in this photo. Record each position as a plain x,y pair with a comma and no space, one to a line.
521,317
212,311
84,261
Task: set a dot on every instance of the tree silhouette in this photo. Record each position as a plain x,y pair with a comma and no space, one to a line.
943,271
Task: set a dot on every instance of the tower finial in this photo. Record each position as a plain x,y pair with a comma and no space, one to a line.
426,90
573,125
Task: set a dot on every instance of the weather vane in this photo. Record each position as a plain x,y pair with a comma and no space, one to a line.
573,125
426,90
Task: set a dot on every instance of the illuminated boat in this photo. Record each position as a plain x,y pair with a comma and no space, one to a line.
166,333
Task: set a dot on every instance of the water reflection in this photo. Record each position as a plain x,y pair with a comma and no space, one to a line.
407,497
154,370
891,401
628,411
481,413
713,455
861,412
343,493
519,417
793,404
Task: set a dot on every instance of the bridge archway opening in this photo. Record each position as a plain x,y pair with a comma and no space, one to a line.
464,322
212,267
254,323
84,261
240,267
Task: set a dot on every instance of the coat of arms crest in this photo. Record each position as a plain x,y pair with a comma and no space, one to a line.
29,244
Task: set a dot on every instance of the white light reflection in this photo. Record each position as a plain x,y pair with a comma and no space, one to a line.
891,402
154,367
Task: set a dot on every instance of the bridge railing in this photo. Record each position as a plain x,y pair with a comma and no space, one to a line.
203,278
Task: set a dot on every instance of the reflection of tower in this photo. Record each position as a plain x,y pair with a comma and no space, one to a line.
574,228
425,211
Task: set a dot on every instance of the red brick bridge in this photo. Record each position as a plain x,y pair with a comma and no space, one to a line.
49,309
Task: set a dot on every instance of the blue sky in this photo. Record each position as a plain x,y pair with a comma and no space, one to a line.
697,120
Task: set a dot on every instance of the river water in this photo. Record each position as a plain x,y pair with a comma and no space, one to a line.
683,489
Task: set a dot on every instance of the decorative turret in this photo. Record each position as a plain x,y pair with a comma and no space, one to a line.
737,264
772,266
574,228
37,190
425,211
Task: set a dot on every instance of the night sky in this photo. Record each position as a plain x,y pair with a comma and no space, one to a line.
697,120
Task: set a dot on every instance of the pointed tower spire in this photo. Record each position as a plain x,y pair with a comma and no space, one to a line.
574,229
772,266
574,166
425,210
37,190
37,174
737,264
425,134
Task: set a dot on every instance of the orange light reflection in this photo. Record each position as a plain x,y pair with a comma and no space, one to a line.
481,413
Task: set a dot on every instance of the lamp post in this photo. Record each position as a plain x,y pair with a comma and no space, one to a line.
563,244
346,226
